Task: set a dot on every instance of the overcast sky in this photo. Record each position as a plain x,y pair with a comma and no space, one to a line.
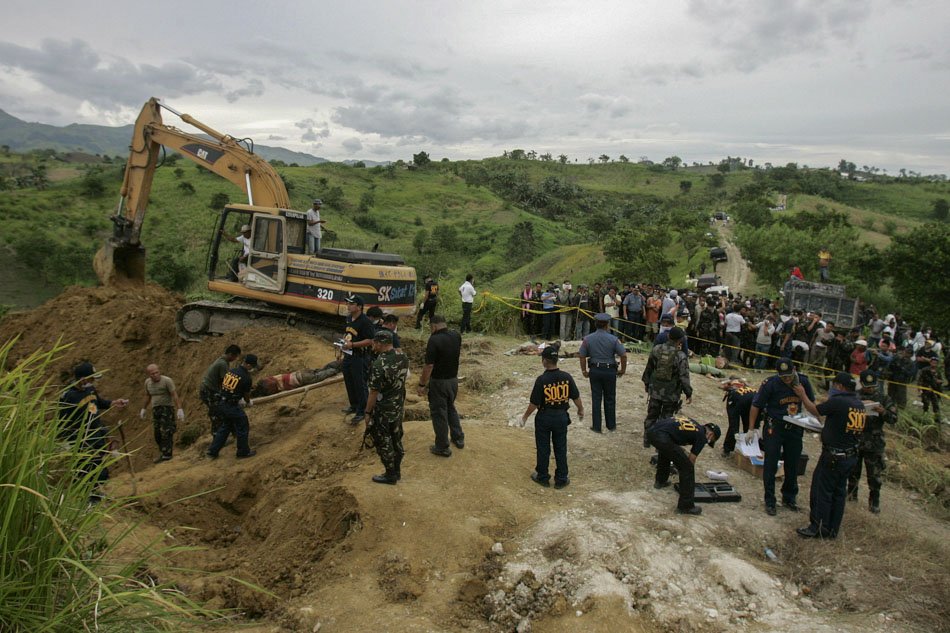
772,80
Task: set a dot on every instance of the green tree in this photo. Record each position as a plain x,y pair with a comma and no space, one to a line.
604,158
219,201
753,212
672,162
179,172
562,158
421,241
522,244
421,159
686,185
367,200
918,261
638,253
717,180
623,159
333,197
92,185
186,187
941,209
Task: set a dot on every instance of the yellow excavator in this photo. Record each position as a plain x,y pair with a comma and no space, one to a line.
276,282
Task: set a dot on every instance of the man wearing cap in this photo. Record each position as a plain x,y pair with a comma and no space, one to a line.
384,407
467,292
314,227
232,399
429,300
80,409
357,346
667,323
738,399
565,299
598,357
778,398
211,383
871,446
665,378
240,260
440,377
551,396
160,392
844,420
668,436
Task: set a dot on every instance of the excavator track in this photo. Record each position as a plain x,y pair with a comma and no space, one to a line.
200,319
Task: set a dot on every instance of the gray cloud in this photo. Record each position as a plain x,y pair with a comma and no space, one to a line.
74,69
254,88
310,131
276,137
352,145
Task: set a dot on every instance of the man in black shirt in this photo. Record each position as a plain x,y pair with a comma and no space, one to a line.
844,419
232,398
429,300
738,405
550,397
357,356
668,436
440,376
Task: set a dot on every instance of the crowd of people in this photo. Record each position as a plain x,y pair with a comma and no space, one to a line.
752,332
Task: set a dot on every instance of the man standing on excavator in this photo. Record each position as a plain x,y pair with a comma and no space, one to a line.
314,228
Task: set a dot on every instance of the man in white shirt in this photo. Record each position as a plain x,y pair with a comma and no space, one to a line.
468,292
314,227
763,341
734,322
240,261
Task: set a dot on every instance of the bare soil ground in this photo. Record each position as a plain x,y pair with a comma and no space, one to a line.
469,542
735,273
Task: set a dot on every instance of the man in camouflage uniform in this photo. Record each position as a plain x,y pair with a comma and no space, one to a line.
384,408
666,377
871,445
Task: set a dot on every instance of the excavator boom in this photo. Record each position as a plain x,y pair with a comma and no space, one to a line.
122,258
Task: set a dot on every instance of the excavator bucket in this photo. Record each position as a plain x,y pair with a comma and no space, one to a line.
118,264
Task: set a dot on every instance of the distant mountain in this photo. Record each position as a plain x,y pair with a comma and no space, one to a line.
22,136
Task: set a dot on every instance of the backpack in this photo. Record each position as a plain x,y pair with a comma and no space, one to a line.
665,363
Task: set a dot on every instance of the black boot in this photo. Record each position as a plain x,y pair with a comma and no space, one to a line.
389,477
396,467
874,503
853,494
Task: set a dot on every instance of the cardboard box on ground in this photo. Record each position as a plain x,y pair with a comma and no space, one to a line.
755,467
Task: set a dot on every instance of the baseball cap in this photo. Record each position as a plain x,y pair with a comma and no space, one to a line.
245,227
603,317
317,201
251,359
846,380
383,336
666,318
861,341
717,433
549,353
785,367
676,334
358,300
868,379
86,370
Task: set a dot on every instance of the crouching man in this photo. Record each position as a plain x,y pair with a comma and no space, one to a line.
668,436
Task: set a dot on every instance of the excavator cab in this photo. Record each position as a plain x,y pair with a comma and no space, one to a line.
264,267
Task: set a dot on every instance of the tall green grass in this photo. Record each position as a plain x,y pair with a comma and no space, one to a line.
61,566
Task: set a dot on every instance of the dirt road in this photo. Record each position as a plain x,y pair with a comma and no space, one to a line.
734,273
470,542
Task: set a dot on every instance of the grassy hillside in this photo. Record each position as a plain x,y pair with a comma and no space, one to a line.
504,220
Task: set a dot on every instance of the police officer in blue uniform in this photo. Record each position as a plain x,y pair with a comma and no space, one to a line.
81,408
668,436
553,391
598,355
233,397
357,357
780,439
844,419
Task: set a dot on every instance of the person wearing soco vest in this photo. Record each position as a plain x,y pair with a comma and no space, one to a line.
738,404
551,396
844,420
668,436
598,356
780,439
665,378
233,397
